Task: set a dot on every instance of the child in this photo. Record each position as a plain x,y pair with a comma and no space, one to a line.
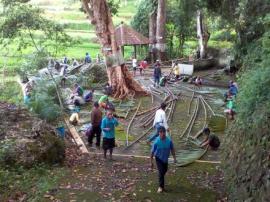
108,125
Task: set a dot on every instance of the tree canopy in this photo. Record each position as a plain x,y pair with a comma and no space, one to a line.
27,25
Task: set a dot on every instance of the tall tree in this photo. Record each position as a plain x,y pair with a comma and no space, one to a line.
202,34
161,32
119,77
152,34
21,20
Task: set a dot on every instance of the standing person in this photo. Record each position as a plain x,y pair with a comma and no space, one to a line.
143,65
74,62
161,149
157,73
87,58
96,118
63,74
176,70
160,120
108,130
134,66
65,60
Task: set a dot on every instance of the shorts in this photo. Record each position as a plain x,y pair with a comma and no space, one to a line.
108,143
134,68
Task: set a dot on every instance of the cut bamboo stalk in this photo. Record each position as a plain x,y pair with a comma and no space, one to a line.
127,136
190,103
138,139
188,125
76,137
194,118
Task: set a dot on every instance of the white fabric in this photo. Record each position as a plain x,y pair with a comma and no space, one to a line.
134,62
160,118
62,72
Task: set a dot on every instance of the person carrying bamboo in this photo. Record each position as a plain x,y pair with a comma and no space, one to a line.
161,149
159,120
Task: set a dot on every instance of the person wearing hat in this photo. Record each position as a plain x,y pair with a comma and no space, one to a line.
103,101
161,149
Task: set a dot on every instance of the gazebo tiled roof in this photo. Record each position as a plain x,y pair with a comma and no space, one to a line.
125,35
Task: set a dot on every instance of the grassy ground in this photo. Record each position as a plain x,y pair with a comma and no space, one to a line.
10,90
21,184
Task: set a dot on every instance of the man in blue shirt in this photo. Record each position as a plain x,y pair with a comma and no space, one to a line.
87,58
161,149
108,125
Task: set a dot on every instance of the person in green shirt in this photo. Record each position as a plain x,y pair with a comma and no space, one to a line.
103,101
230,108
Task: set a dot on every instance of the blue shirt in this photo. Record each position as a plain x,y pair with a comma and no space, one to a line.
161,148
109,123
233,90
87,59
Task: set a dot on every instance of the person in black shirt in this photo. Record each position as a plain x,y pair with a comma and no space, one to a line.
210,139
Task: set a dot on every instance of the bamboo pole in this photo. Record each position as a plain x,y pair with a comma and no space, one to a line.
188,125
127,136
190,103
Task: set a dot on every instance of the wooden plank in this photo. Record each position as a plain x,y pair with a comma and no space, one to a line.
77,138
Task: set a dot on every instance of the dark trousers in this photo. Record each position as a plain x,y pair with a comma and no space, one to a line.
162,169
96,130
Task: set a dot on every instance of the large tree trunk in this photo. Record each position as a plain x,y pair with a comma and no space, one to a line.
152,35
160,34
202,34
119,77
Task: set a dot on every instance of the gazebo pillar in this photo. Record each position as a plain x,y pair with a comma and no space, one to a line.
123,50
135,51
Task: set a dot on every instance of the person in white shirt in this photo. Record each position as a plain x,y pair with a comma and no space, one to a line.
160,120
134,66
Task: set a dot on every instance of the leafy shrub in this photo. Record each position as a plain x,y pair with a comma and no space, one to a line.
223,35
248,141
44,102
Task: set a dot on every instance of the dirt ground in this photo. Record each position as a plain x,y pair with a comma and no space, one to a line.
92,178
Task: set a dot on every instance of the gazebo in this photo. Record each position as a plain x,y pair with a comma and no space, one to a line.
126,36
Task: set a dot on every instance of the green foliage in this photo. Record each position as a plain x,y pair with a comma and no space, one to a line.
35,61
44,101
10,91
22,21
114,6
7,153
33,183
247,159
140,21
182,14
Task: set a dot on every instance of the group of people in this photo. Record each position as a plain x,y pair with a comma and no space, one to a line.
142,66
99,124
105,126
229,99
162,144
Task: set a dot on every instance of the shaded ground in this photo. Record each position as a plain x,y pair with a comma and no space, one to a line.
131,179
